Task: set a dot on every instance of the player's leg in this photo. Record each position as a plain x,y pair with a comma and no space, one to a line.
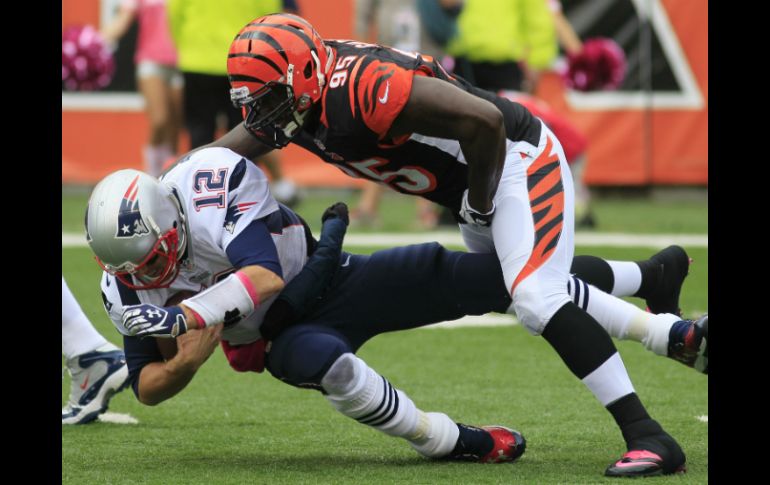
432,284
321,358
664,334
98,368
200,108
151,79
533,234
176,106
658,280
411,286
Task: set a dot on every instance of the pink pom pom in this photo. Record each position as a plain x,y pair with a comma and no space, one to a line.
601,65
86,61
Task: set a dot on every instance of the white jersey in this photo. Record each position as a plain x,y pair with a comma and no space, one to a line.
221,194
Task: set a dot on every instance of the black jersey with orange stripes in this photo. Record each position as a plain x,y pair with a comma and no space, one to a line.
367,88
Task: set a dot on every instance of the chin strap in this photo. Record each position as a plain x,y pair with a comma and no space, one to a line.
319,73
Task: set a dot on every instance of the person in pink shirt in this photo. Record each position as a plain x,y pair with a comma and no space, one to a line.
158,79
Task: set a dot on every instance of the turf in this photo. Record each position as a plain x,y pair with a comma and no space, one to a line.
233,428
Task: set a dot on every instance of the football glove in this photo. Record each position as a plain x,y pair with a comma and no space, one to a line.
339,211
149,320
472,216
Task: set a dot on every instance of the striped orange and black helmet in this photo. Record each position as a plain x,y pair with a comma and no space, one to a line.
277,69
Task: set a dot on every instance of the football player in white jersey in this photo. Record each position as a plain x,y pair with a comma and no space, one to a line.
211,229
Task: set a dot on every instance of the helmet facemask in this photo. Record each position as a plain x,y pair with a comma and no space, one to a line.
272,113
157,270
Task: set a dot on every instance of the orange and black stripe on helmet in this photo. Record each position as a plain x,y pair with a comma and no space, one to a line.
279,48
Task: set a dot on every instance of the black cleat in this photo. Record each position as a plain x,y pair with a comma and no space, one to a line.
675,264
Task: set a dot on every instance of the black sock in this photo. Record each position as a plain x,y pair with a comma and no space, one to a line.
594,271
652,272
473,443
579,340
632,418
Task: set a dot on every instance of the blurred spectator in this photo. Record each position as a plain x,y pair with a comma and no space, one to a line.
568,39
159,81
397,24
496,36
203,31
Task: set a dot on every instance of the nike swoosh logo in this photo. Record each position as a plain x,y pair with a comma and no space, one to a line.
384,98
347,262
85,383
633,464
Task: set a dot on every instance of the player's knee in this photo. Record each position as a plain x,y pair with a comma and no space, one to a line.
342,374
535,303
528,308
308,357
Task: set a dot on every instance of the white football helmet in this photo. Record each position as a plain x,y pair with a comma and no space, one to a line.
136,228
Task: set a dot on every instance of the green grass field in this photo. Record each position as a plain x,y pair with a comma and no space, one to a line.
233,428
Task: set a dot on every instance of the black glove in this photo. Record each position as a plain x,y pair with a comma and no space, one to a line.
338,210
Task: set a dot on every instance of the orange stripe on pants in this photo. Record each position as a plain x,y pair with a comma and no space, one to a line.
546,199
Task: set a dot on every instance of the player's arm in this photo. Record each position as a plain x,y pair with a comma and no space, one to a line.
438,108
119,25
159,368
303,291
257,278
160,380
234,297
238,140
241,142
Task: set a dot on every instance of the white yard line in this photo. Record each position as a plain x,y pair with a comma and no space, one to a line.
654,241
488,320
117,418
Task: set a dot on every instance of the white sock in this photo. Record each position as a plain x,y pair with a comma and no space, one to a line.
623,320
78,336
155,156
628,277
357,391
609,382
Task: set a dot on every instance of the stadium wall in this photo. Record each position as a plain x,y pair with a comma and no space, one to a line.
638,136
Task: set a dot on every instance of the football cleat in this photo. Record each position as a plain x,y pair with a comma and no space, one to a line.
640,461
675,263
96,376
488,444
688,343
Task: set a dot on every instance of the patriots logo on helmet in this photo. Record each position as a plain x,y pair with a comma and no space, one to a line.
130,223
234,212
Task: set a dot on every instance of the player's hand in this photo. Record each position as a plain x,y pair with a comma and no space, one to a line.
339,211
149,320
196,346
472,216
